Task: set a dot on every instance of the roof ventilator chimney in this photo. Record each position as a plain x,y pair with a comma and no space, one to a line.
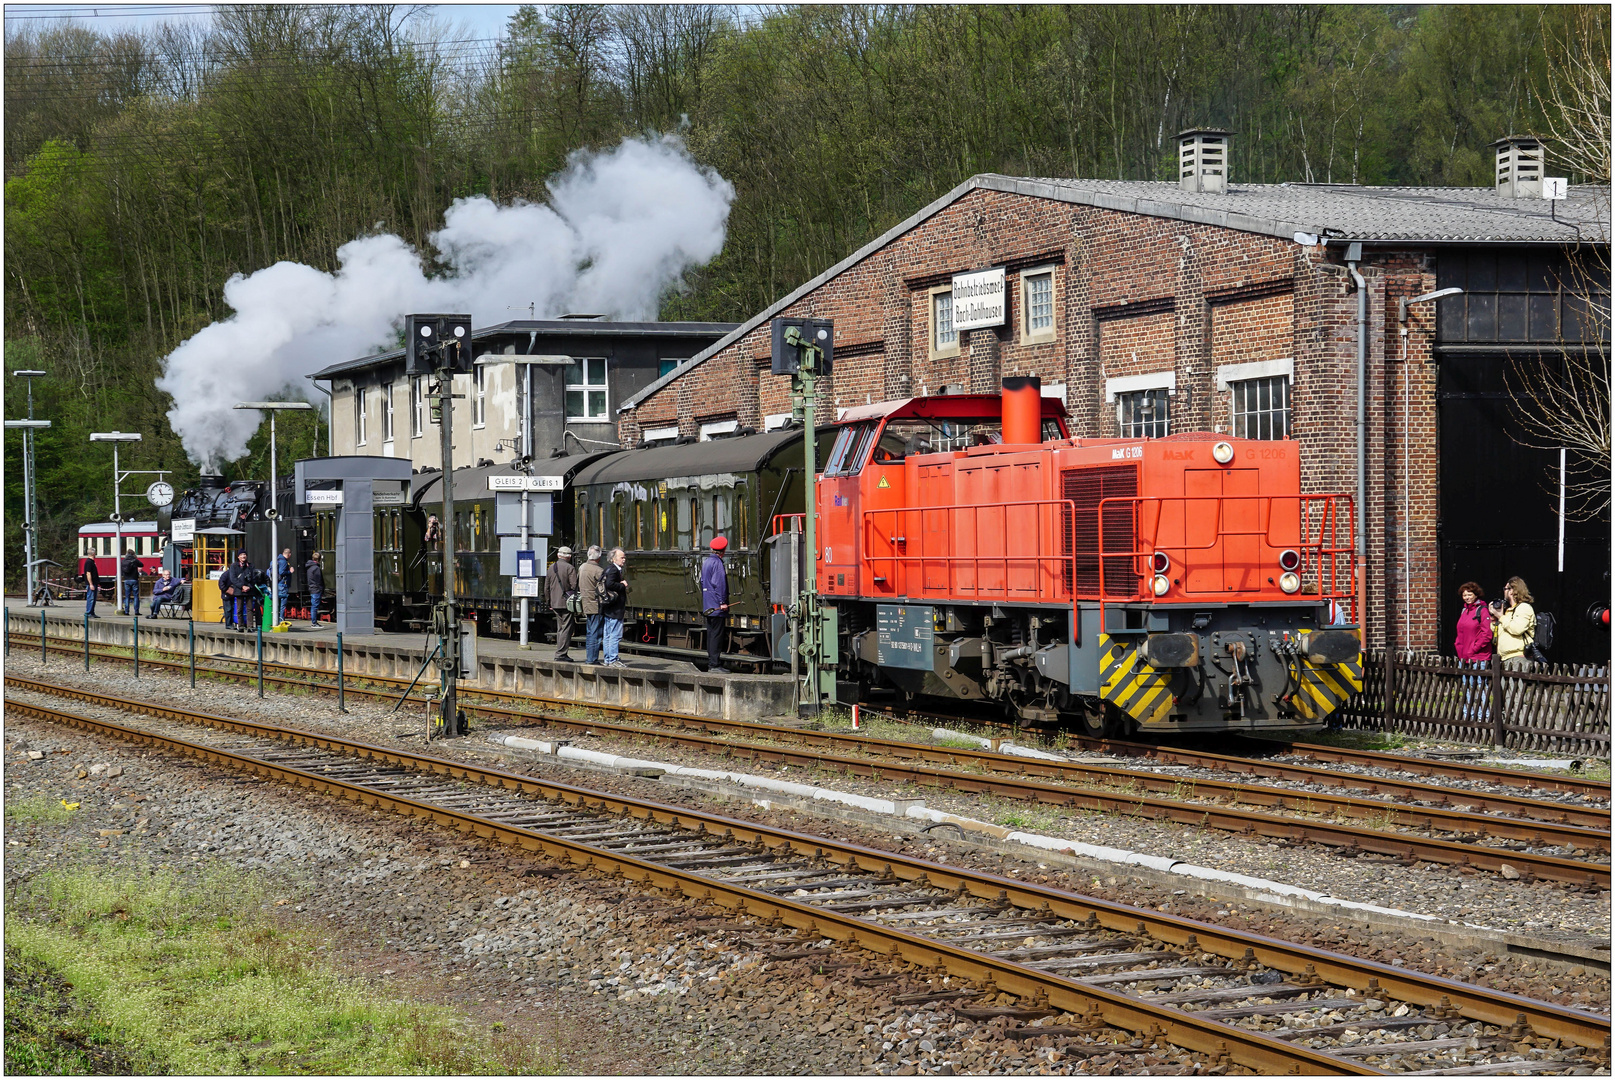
1519,167
1203,160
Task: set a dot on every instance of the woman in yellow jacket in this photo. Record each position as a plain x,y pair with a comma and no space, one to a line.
1514,624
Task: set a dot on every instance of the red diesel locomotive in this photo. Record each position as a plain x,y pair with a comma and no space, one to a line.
971,549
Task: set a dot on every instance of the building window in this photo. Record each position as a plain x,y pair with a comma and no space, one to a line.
666,366
944,338
358,416
417,406
1143,414
1537,295
387,413
479,403
1262,408
1037,306
586,389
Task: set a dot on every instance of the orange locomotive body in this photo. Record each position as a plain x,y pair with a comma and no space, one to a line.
972,550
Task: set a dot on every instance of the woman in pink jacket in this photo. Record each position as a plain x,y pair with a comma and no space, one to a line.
1474,645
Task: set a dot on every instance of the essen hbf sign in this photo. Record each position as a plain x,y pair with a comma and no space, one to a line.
978,299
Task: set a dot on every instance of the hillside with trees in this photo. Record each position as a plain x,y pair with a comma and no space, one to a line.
143,170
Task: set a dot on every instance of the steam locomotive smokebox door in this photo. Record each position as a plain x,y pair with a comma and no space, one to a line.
905,635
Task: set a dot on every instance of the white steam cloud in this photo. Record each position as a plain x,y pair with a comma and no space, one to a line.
620,229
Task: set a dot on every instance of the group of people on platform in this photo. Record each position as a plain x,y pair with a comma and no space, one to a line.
599,594
240,585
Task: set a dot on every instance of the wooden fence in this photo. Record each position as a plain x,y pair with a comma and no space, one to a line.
1562,708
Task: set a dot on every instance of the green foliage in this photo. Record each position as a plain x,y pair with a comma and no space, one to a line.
145,169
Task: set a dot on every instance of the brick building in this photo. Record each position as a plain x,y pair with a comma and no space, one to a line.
1159,307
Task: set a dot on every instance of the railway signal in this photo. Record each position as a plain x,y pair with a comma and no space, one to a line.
440,346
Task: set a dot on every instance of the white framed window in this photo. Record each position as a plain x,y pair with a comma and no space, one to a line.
774,421
1261,407
387,413
1143,414
358,416
662,434
1037,305
586,390
944,338
479,400
712,430
417,406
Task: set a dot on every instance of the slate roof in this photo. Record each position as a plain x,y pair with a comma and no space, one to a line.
1335,213
546,328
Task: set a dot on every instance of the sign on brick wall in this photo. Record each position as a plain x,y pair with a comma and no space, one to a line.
978,299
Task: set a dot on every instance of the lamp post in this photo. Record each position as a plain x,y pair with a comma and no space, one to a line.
273,513
1407,483
116,437
29,526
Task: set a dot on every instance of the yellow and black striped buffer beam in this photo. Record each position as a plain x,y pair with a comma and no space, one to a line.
1126,681
1325,687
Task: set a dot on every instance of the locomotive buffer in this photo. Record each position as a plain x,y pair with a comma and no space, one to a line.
439,346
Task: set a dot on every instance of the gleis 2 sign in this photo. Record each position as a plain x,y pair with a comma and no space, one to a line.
978,299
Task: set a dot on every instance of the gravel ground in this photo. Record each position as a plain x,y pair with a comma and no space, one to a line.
1541,909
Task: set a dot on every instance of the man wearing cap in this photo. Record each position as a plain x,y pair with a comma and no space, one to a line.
715,603
563,581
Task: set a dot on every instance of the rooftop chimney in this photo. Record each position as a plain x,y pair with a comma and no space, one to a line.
1203,159
1519,167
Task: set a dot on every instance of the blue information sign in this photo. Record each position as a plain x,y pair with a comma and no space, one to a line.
904,635
526,564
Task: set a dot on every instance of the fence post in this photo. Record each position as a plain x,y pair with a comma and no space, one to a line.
192,625
43,646
137,639
260,661
86,642
1499,733
8,631
1390,689
341,689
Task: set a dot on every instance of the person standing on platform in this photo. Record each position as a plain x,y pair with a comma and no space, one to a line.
238,583
92,585
715,603
563,582
283,583
1473,643
129,570
613,606
314,574
1514,620
589,586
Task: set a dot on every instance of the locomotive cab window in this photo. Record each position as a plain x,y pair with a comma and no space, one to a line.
851,450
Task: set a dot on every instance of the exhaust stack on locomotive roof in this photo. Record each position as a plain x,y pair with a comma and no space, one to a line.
1023,409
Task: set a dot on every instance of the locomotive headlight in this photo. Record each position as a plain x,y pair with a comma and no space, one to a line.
1223,453
1290,581
1160,584
1290,560
1159,563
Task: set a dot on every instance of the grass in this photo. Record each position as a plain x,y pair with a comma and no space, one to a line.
140,970
40,809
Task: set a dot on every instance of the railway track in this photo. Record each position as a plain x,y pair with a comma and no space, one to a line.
1100,964
1533,823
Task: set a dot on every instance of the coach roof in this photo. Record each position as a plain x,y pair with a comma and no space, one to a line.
1332,213
738,454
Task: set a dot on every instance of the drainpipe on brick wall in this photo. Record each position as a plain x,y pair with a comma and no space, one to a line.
1354,254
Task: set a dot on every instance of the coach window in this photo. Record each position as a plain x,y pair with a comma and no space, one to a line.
1037,305
944,338
741,537
621,519
600,522
684,507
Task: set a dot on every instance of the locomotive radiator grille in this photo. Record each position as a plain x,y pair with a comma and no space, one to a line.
1082,532
1126,681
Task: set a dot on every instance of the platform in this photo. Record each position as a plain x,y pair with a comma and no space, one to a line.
646,683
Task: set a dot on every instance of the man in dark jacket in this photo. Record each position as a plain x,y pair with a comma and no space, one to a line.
715,603
237,584
563,581
314,575
129,571
589,576
92,585
613,607
165,590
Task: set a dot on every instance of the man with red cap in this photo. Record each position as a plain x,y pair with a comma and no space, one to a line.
715,603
